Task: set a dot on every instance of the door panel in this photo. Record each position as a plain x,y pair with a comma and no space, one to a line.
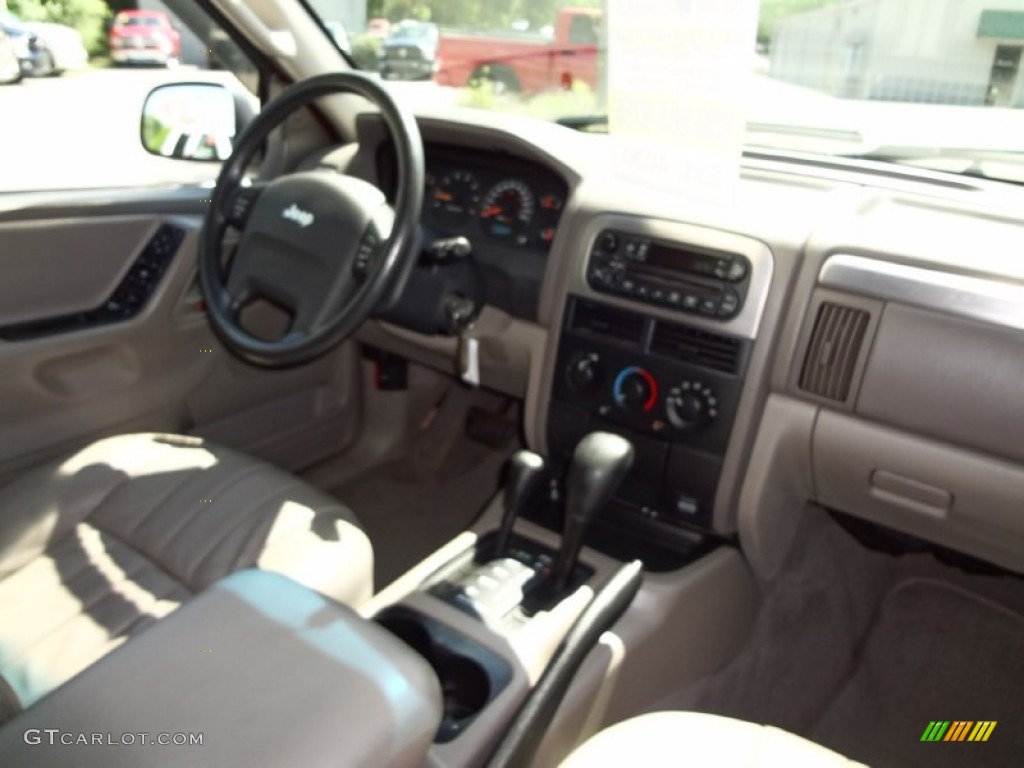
39,278
161,368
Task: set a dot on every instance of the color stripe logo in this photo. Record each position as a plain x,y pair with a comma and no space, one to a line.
958,730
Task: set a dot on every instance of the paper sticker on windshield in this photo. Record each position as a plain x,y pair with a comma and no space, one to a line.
677,74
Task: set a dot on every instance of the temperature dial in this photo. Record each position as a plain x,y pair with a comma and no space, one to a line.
584,372
691,404
636,389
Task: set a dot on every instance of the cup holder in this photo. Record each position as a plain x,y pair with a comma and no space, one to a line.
464,684
470,674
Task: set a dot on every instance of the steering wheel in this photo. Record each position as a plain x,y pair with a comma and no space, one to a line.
325,247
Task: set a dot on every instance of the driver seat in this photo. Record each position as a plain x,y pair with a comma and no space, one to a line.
96,547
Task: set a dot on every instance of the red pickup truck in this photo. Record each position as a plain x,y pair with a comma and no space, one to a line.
524,62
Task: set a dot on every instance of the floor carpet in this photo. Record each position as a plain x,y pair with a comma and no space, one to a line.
860,651
413,505
936,653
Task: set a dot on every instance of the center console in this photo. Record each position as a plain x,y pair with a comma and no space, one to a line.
655,340
505,621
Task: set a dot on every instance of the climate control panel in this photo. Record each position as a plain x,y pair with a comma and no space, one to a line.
672,389
689,404
661,397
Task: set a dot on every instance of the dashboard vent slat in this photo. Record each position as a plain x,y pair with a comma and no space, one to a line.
606,322
832,354
691,345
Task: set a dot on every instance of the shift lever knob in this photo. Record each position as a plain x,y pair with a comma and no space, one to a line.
599,464
524,472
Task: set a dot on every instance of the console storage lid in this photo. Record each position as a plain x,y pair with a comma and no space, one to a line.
269,672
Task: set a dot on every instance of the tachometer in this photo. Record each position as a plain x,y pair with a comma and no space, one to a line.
453,198
507,210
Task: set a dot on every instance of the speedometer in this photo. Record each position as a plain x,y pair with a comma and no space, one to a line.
507,209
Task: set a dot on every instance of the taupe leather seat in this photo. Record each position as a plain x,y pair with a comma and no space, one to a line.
99,546
698,740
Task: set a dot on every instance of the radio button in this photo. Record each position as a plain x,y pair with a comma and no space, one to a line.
729,304
607,242
599,279
708,306
690,302
737,271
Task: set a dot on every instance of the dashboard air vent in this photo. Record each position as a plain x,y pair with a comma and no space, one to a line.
607,322
691,345
833,351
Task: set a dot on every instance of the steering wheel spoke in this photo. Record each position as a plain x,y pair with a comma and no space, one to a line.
239,204
326,246
369,253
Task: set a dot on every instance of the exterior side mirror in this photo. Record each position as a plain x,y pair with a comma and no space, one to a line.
191,121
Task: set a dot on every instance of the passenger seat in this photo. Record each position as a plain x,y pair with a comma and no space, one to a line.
698,740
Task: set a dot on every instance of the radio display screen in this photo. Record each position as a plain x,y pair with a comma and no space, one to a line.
661,257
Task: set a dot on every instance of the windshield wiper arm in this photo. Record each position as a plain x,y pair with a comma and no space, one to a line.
584,122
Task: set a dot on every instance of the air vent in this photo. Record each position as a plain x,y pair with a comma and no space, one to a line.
832,355
607,323
709,350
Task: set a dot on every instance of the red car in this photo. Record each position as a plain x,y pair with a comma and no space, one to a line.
144,37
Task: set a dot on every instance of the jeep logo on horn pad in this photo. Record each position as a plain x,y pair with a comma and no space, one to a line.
299,216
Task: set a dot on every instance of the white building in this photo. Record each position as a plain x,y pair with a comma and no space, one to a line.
933,51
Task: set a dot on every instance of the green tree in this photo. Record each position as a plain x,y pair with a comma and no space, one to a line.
773,11
86,16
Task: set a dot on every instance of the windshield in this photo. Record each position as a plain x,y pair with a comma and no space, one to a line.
934,83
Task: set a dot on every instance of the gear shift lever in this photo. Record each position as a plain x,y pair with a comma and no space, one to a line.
525,471
599,464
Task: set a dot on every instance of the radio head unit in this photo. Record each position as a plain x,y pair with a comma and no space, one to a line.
681,277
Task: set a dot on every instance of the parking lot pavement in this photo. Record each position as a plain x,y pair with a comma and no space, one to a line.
94,140
425,94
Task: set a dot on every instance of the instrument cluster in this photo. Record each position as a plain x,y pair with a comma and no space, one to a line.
492,199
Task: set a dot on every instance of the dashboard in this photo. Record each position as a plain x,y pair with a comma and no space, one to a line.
819,339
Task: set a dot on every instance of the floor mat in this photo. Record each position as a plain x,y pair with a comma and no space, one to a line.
860,651
935,652
413,505
803,644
